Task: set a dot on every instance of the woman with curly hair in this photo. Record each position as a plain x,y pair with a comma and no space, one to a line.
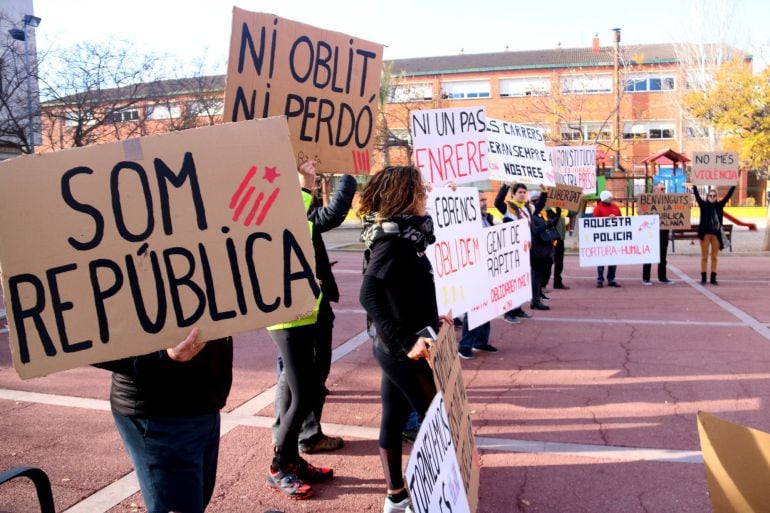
399,298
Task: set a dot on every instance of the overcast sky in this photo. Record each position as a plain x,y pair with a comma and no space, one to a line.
408,28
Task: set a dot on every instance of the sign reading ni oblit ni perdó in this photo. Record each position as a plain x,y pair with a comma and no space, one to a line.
119,249
326,83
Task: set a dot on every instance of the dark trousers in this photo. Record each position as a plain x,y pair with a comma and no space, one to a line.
610,273
475,337
558,263
321,344
175,459
647,268
301,392
541,267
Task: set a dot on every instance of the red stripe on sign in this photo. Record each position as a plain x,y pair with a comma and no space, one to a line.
253,211
268,204
243,185
242,204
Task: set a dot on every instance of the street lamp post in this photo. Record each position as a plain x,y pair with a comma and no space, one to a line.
616,78
21,35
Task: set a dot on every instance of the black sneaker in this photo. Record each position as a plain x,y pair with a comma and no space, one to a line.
511,319
667,282
540,306
487,348
465,354
523,314
545,298
599,284
312,474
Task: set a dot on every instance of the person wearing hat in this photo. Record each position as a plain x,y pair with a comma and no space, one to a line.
606,208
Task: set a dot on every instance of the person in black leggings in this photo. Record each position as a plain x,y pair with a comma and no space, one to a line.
399,297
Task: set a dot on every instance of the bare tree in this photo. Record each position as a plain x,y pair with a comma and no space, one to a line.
19,104
95,92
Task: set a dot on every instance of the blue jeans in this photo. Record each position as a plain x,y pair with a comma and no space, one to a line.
476,337
610,273
175,459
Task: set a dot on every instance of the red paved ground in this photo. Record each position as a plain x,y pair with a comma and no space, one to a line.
566,376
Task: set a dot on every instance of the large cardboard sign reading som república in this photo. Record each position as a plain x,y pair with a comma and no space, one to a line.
448,377
119,249
619,240
326,83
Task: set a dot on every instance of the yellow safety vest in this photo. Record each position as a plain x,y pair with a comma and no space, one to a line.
313,317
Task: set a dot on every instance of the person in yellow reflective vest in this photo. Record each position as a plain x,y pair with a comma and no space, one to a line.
305,347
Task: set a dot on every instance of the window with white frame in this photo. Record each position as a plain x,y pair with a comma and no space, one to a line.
649,82
525,86
585,131
466,89
649,130
208,107
586,84
403,93
122,115
694,130
402,134
163,111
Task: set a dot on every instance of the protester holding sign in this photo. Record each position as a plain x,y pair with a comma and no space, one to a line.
399,297
664,235
710,230
521,208
606,208
166,408
544,235
477,339
305,346
558,249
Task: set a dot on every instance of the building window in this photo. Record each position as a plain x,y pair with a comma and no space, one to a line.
531,86
210,107
586,84
649,130
585,131
693,130
402,134
649,82
122,115
404,93
466,89
163,111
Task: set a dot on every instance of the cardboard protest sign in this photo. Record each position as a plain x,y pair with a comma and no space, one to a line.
736,460
575,165
456,256
450,144
124,247
673,209
448,376
432,472
518,153
565,197
714,168
326,83
619,240
508,273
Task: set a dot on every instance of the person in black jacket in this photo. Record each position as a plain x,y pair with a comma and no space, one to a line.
306,348
399,297
166,408
710,230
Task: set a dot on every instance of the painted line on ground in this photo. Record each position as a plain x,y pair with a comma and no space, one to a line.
635,321
244,415
747,319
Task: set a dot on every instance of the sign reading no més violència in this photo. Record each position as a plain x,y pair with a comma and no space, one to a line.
619,240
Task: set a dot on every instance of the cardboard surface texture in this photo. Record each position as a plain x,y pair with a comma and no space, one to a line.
737,469
120,249
566,197
448,376
673,209
325,82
